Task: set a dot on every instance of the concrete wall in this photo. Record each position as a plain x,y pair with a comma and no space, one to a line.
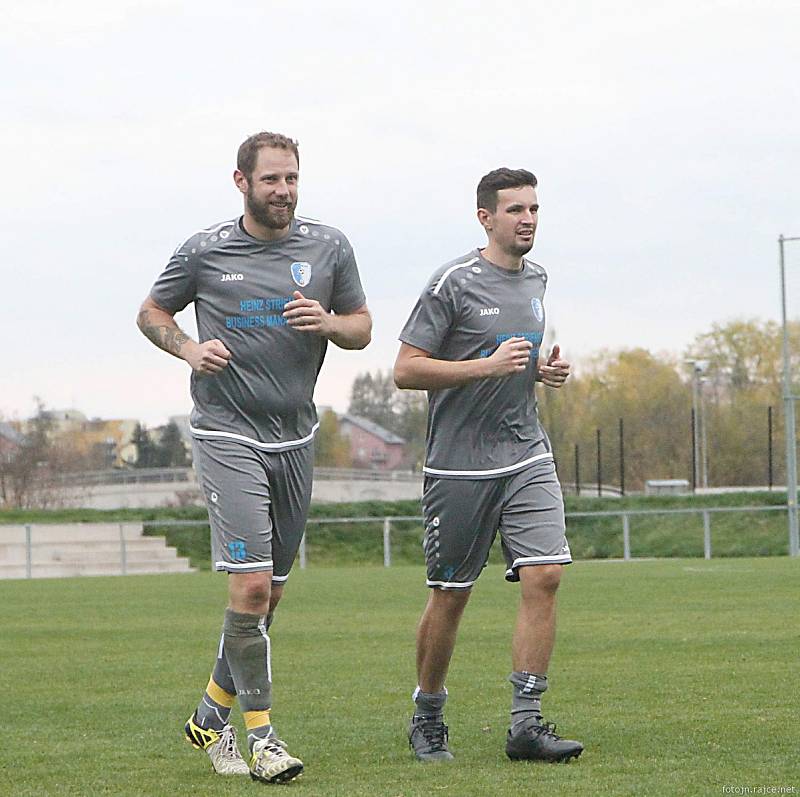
121,496
336,491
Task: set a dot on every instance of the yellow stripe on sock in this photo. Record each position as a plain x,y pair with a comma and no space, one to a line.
256,719
219,695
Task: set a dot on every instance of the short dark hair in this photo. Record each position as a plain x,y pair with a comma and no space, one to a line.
499,179
248,151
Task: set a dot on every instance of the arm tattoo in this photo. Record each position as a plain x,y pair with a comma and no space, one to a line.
174,339
168,338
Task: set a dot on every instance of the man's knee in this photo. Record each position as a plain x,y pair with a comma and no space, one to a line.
538,579
250,592
449,601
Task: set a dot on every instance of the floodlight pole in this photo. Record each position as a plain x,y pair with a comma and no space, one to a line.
703,430
699,438
788,404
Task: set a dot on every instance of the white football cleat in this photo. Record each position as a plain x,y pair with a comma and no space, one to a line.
220,746
270,763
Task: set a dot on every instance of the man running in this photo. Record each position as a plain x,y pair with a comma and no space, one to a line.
269,290
473,342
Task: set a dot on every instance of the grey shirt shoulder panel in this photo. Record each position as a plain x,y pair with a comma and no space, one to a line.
348,292
176,286
240,286
486,428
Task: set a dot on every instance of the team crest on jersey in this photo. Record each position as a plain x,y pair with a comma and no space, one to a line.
538,308
301,274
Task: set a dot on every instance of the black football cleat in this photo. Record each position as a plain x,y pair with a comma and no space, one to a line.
428,737
532,741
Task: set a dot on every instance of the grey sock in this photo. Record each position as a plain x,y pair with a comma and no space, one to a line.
429,704
210,713
247,650
526,701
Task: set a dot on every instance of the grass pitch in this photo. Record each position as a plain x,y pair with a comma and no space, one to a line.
678,676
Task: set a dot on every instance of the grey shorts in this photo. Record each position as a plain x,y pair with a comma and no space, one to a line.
257,504
462,518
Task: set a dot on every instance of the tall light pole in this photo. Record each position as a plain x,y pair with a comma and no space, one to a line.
703,425
700,452
788,405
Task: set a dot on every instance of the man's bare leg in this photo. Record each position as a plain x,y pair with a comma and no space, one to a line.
436,636
436,640
532,647
535,632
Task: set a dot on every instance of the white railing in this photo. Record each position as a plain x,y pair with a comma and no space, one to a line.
385,525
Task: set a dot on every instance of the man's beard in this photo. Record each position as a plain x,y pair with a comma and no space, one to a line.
518,250
269,216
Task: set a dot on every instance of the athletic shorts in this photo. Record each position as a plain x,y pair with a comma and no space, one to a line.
462,518
257,504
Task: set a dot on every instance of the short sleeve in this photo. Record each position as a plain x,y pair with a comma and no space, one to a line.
177,285
348,295
430,321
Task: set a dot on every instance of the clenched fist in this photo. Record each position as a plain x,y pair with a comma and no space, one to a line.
510,357
209,357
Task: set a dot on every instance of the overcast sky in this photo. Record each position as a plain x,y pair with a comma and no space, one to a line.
665,136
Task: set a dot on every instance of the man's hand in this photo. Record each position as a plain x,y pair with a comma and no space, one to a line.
308,315
510,357
209,357
555,371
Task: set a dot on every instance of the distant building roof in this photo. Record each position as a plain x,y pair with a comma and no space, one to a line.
10,434
373,428
64,415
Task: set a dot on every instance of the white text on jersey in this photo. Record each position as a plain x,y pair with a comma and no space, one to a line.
231,277
490,311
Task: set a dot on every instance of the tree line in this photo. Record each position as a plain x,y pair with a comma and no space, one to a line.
33,474
166,450
653,395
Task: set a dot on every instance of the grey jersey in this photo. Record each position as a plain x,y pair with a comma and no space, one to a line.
239,286
489,427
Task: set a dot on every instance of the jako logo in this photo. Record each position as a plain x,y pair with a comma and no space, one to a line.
490,311
231,277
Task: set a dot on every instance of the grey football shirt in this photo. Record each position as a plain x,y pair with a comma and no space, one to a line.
239,286
487,428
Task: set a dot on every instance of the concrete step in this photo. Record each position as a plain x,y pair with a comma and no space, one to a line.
84,549
108,568
12,535
84,555
135,550
70,532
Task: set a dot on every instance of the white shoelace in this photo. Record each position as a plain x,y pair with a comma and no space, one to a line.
228,746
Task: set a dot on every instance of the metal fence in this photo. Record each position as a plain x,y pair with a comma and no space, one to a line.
706,512
624,515
385,524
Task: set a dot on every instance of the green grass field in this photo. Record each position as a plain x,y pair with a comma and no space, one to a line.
679,676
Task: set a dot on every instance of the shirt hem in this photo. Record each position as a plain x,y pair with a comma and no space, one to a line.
486,474
240,438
